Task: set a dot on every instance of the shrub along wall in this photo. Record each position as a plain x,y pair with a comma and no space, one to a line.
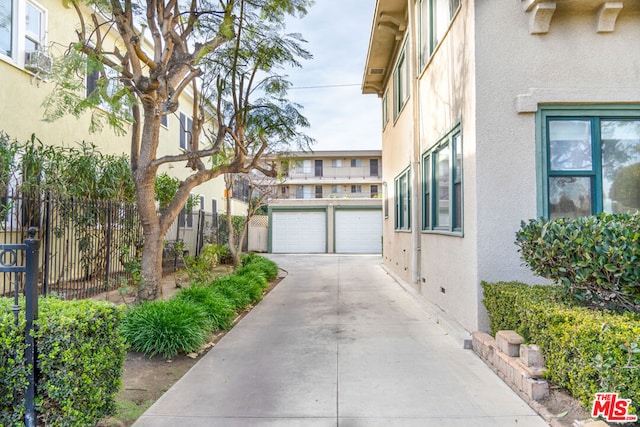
80,358
585,351
595,258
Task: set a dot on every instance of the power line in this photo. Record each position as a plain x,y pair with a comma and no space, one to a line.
323,87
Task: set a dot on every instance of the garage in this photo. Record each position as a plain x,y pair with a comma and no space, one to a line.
299,232
358,231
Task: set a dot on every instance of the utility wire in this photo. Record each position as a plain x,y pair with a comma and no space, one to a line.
323,87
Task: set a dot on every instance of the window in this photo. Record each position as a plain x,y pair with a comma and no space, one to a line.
442,185
318,191
385,200
402,201
304,192
373,167
164,118
23,28
400,84
336,163
374,191
185,218
434,19
385,109
592,162
356,163
303,166
356,189
110,87
186,123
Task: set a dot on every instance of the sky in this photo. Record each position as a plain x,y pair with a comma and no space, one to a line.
329,85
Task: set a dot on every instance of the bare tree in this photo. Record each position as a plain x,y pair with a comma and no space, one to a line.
153,51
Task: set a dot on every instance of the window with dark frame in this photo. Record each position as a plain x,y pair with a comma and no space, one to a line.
402,201
591,162
442,198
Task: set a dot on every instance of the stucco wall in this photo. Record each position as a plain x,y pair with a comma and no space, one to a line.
572,63
447,98
396,147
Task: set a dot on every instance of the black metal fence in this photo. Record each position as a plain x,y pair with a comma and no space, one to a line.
88,246
85,244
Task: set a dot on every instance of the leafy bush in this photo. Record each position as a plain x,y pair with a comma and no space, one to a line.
217,308
166,327
80,358
596,258
262,264
13,367
585,351
235,289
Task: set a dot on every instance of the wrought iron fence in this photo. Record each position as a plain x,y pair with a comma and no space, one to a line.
85,244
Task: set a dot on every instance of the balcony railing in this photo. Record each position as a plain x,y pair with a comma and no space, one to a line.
345,172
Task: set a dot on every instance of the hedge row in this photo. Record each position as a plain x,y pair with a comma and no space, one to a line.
185,322
585,351
80,358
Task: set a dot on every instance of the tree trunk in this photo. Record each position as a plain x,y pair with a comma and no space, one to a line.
152,234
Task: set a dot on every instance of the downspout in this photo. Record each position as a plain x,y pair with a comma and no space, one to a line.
415,146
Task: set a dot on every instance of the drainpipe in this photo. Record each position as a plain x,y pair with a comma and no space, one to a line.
415,146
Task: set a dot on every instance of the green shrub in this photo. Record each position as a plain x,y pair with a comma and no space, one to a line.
254,274
585,351
80,358
166,327
235,289
217,308
200,268
257,262
13,367
596,258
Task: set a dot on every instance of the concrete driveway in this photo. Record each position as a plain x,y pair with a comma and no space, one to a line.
339,343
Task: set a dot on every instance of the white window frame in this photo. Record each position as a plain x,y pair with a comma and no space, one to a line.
19,32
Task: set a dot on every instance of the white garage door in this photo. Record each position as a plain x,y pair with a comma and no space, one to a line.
359,232
299,232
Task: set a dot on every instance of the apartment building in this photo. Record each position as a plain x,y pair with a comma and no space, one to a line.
331,174
496,112
328,202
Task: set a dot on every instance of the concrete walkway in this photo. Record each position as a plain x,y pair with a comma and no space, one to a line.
339,343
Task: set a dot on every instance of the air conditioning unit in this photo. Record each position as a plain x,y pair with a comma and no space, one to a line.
38,62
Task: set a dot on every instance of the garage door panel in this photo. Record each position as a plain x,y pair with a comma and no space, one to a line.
358,231
299,232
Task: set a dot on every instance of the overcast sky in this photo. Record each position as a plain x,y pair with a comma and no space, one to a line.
342,118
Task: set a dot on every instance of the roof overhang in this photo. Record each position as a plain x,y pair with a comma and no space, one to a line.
387,31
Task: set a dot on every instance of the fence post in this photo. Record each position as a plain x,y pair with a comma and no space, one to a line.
31,314
108,260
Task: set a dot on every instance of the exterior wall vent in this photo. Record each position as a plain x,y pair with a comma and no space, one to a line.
376,71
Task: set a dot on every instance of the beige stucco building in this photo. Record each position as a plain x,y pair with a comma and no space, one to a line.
495,112
46,28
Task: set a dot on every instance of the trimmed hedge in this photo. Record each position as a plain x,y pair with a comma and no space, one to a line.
80,358
596,258
585,351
